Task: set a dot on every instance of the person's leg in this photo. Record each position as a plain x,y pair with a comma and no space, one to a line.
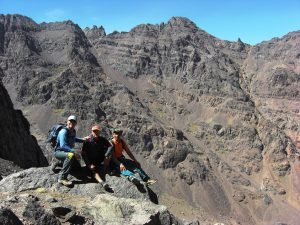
106,163
75,167
67,158
98,173
128,172
55,163
132,166
98,177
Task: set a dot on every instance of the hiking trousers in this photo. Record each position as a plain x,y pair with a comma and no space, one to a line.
132,168
68,159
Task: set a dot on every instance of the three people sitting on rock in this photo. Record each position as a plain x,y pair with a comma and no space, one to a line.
98,154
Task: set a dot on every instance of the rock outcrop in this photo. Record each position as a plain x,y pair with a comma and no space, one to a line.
34,178
94,34
271,77
34,196
17,144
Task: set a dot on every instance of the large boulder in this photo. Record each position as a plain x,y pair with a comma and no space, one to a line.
35,197
35,178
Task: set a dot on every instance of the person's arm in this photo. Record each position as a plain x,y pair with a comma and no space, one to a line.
127,150
110,149
129,153
81,140
62,139
78,139
84,154
117,162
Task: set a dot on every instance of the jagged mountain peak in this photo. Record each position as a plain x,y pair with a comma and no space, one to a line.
64,25
175,24
182,22
99,30
12,22
144,27
94,33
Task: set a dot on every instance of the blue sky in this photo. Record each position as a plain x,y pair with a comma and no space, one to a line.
251,20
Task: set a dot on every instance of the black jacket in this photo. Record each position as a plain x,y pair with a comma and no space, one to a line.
95,150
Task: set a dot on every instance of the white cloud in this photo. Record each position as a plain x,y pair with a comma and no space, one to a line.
56,15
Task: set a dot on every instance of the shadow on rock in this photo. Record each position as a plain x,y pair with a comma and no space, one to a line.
141,188
152,196
64,213
37,215
79,220
7,217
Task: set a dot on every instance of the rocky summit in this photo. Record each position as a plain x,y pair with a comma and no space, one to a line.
215,122
33,196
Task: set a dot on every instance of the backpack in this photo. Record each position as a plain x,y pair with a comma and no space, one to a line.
53,133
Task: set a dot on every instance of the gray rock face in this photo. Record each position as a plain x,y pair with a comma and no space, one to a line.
94,34
271,73
7,217
36,214
7,167
29,193
35,178
103,209
17,144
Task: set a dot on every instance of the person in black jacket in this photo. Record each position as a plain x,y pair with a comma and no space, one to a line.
96,153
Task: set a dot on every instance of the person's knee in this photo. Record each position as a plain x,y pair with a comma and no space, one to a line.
107,161
70,155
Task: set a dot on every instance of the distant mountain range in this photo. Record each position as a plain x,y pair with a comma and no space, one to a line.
216,122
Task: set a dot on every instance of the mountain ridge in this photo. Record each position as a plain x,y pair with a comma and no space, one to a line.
191,103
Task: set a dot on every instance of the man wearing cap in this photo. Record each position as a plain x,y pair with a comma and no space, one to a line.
96,152
127,167
65,149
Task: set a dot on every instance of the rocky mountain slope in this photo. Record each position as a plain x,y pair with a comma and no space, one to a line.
203,115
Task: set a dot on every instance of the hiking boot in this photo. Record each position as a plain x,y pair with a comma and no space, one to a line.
65,182
150,182
134,180
105,185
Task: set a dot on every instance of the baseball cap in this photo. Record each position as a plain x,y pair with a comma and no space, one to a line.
72,117
118,131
